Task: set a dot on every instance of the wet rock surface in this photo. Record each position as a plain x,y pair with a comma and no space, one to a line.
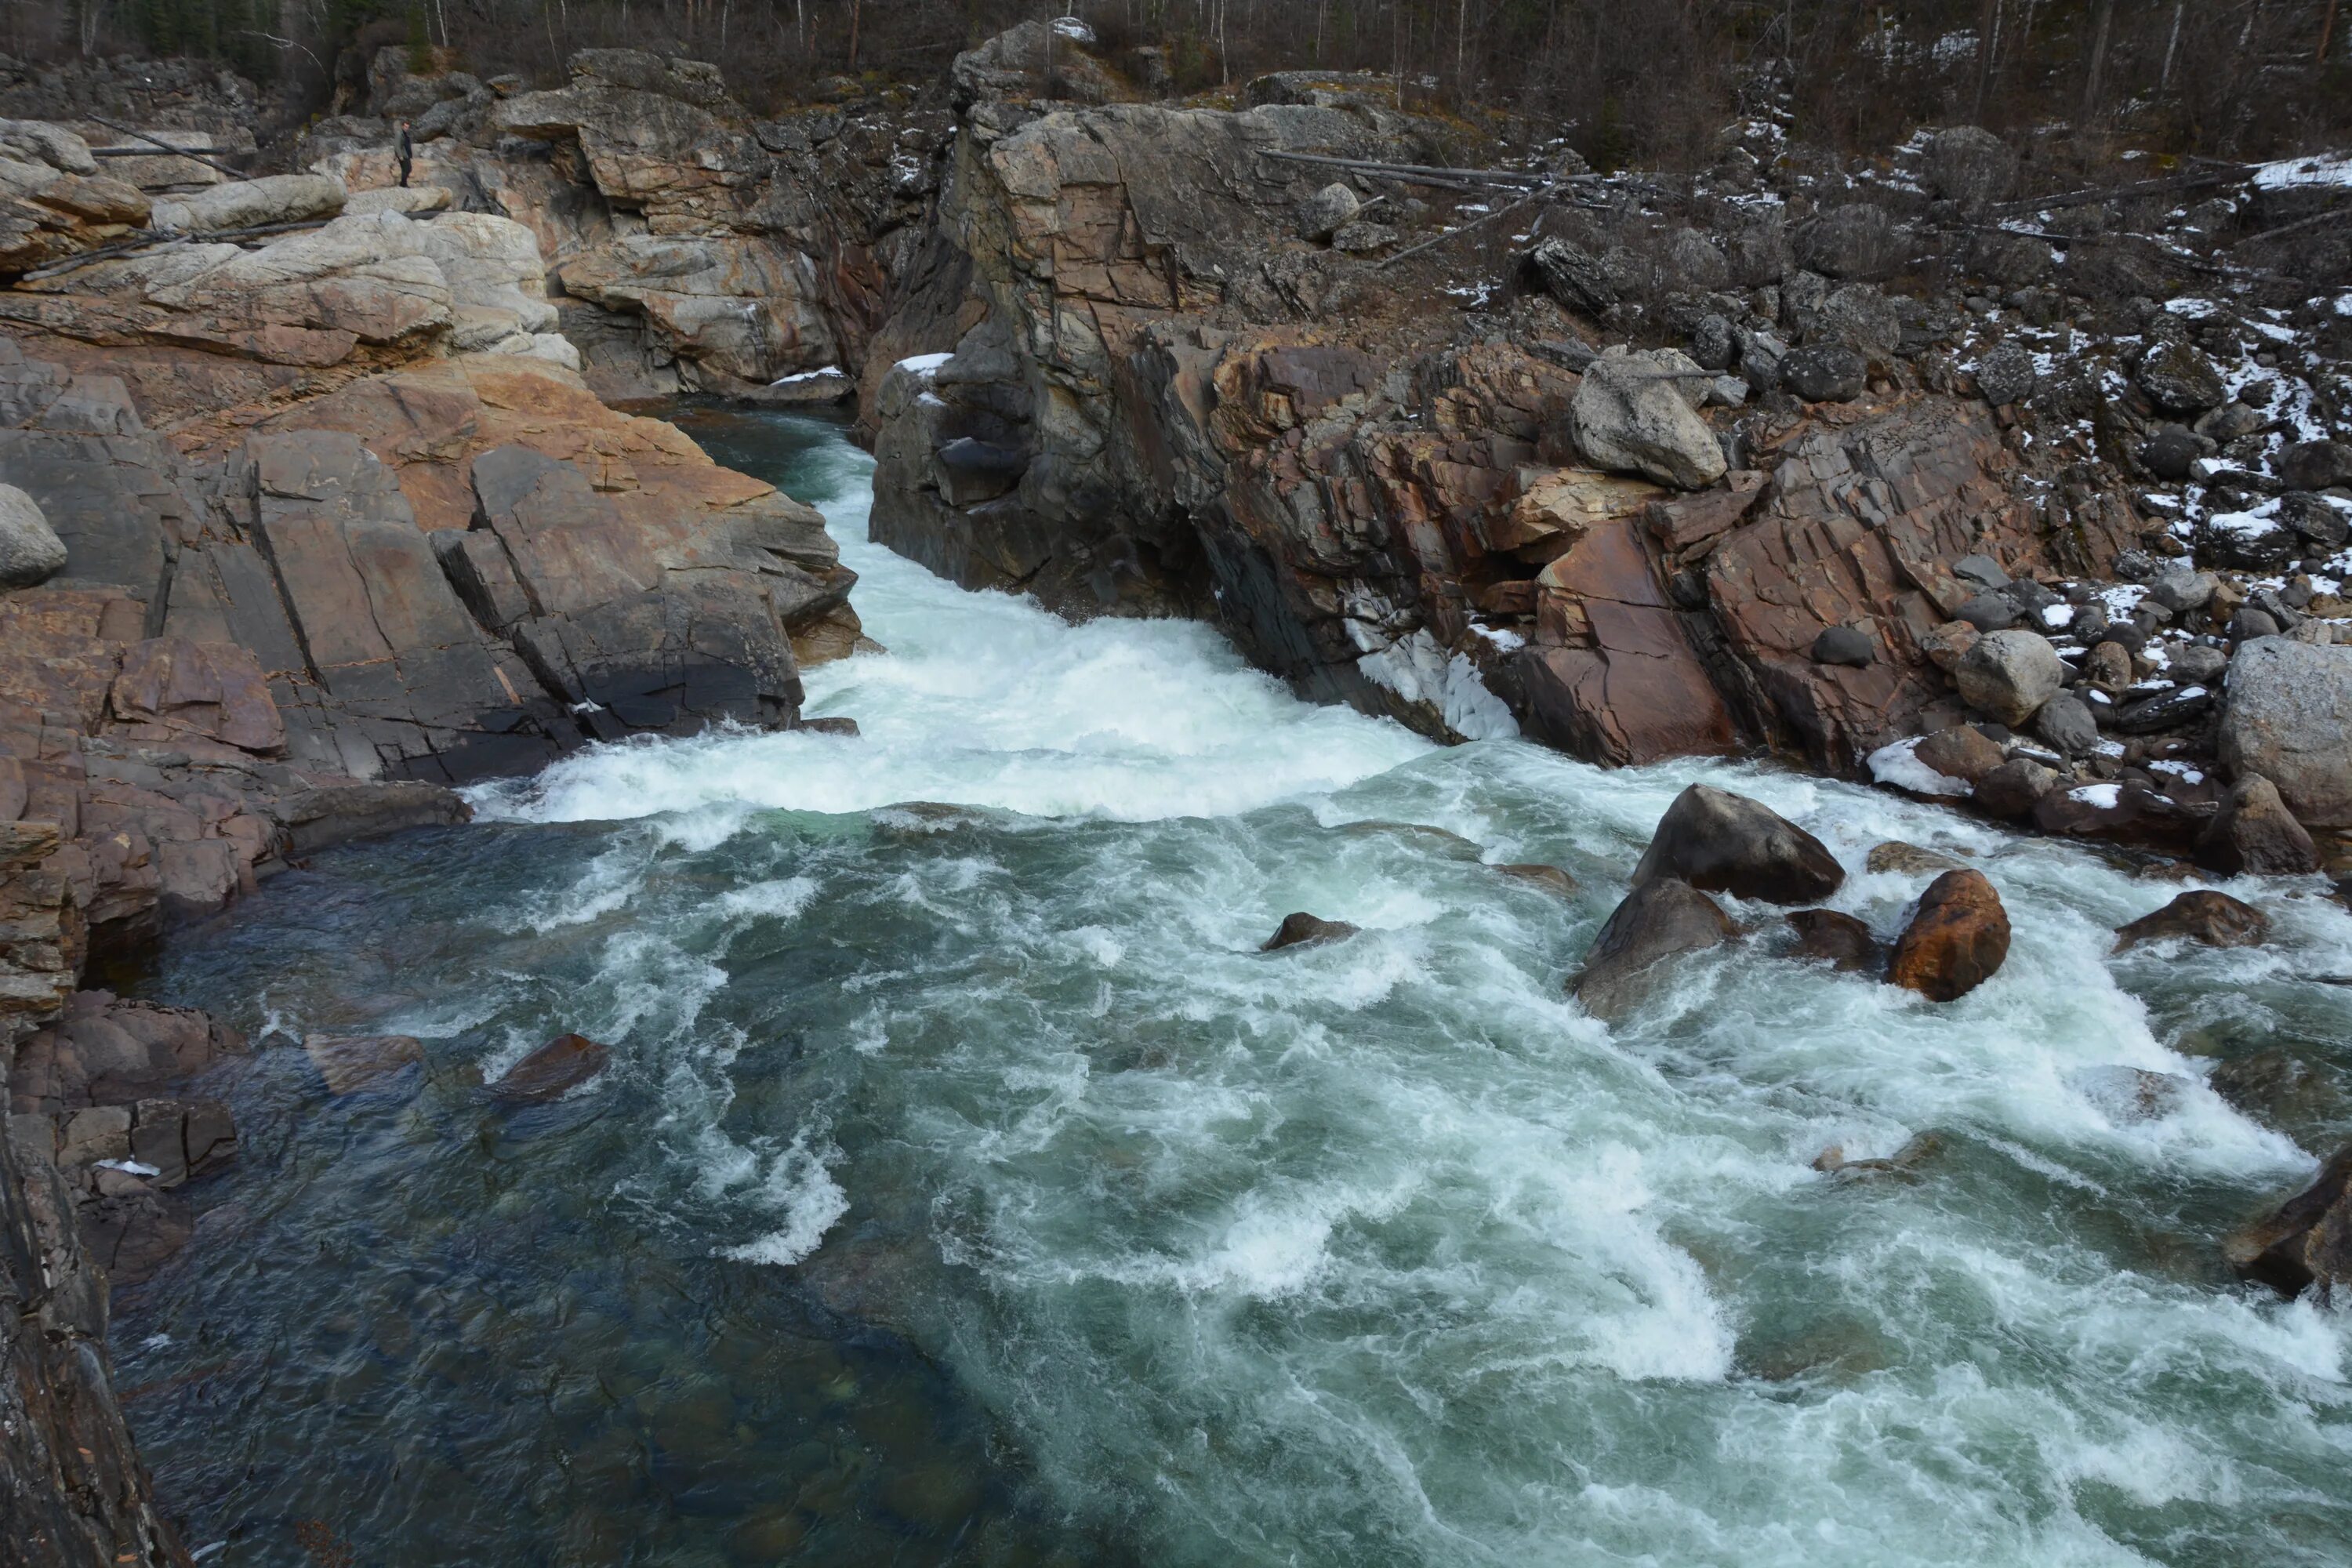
1660,919
1955,941
1723,843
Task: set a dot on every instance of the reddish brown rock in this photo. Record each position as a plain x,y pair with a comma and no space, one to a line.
1956,941
555,1068
1550,878
1299,929
2307,1241
2214,918
1621,684
1959,752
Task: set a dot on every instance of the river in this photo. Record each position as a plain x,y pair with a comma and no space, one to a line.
968,1187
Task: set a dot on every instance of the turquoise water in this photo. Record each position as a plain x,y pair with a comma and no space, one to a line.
969,1188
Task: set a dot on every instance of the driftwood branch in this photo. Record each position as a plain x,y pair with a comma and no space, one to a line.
166,146
2173,186
156,238
1496,216
1413,174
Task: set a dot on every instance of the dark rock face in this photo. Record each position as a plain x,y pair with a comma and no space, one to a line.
72,1490
1299,929
1829,373
2254,833
2214,918
2307,1241
1838,940
2315,465
1845,646
1723,843
558,1067
1657,921
1956,942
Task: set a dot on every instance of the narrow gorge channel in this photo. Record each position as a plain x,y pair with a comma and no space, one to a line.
969,1188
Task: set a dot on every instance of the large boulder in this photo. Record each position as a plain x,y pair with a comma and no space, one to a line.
1657,921
2289,717
1724,843
2315,465
1860,239
1957,940
2202,915
30,550
1633,415
2307,1241
1038,60
2009,674
1968,165
2180,379
2254,834
497,286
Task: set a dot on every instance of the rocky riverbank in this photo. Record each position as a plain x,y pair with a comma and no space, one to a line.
316,506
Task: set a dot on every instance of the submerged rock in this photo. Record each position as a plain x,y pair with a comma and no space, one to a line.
1657,919
1550,878
562,1064
2307,1241
1724,843
1837,938
2214,918
1955,942
1299,929
1908,859
352,1062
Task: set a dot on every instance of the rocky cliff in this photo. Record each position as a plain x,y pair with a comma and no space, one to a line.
306,516
1748,459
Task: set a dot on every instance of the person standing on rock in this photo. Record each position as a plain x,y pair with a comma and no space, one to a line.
402,149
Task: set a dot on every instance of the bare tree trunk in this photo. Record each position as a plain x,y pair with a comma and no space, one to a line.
2091,83
2327,31
856,9
1988,43
2172,47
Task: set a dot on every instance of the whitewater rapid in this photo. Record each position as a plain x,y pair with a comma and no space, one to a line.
1383,1252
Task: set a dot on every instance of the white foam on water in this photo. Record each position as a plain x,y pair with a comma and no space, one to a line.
1382,1250
986,700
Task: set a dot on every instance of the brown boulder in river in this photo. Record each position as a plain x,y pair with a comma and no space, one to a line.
1658,920
562,1064
2214,918
1955,942
2308,1241
1840,939
1724,843
1299,929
